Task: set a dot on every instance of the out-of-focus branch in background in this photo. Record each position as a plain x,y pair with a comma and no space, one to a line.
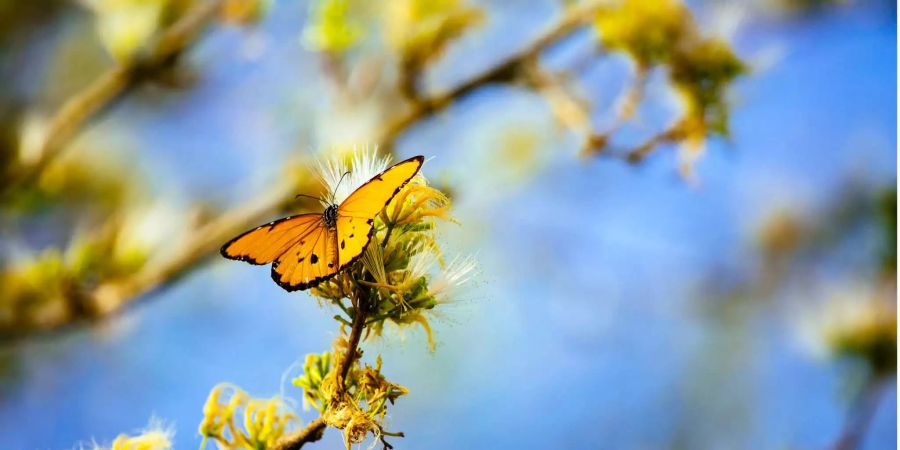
75,113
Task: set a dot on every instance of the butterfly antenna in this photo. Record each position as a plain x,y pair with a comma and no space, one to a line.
310,196
338,185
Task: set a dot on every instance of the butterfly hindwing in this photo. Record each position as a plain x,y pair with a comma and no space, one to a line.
309,262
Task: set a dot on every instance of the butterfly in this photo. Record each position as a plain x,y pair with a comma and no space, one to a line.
307,249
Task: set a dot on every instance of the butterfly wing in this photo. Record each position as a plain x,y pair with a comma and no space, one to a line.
304,251
357,213
265,243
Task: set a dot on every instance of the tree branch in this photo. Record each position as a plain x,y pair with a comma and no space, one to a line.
504,71
203,242
77,111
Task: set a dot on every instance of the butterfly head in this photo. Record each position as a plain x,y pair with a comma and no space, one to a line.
330,216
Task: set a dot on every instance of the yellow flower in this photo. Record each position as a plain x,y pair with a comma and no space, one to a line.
155,437
264,420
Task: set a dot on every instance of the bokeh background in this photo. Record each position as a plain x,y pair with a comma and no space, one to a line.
617,305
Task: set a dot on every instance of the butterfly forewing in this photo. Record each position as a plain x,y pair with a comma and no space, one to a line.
357,213
370,198
265,243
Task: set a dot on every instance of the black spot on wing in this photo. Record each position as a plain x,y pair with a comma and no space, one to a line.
314,258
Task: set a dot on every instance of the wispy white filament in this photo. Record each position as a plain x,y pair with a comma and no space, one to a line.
364,165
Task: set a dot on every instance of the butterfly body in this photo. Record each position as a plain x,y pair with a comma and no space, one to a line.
308,249
330,216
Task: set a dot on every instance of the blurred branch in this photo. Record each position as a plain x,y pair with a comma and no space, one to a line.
76,112
109,297
504,71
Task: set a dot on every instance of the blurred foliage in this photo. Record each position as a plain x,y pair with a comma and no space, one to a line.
663,33
832,271
649,31
331,29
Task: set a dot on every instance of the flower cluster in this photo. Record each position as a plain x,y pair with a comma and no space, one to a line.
154,437
234,420
357,403
402,273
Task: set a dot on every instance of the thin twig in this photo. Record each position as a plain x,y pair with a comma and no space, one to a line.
203,242
78,110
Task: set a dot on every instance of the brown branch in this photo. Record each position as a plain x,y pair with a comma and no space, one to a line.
312,433
504,71
84,106
361,305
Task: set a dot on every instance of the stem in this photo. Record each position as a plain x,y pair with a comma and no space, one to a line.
110,86
356,329
314,431
860,416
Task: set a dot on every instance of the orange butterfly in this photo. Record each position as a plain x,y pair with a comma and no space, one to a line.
308,249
